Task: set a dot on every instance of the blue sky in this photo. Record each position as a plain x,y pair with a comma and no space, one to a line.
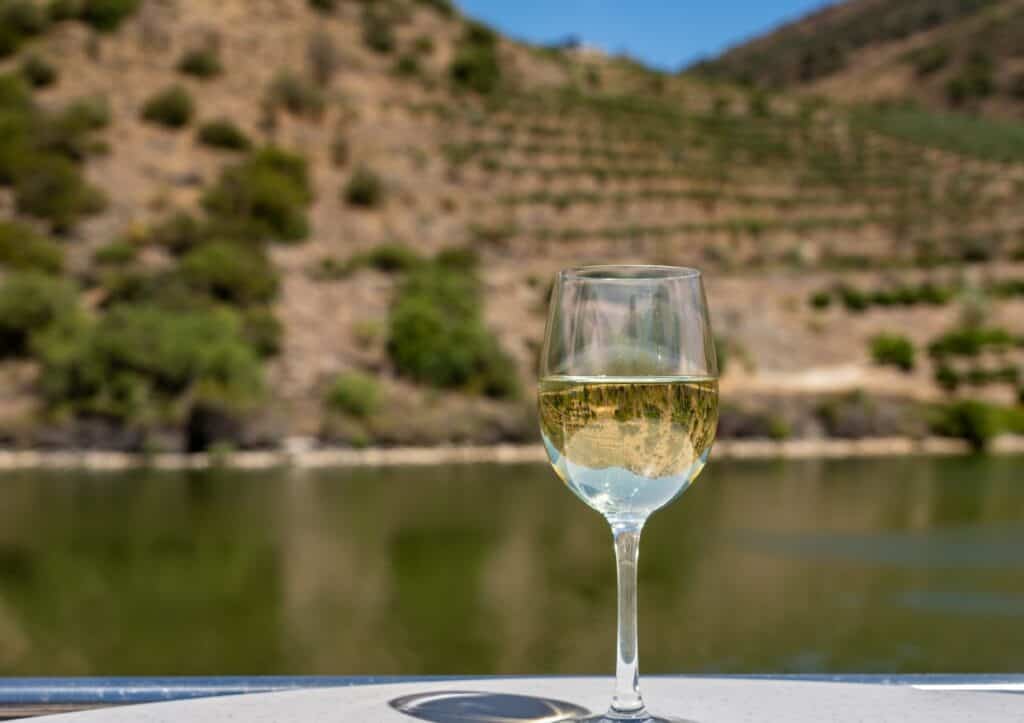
663,33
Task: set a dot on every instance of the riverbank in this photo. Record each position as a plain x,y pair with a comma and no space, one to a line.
300,454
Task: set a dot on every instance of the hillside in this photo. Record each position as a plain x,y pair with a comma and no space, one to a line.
235,223
963,55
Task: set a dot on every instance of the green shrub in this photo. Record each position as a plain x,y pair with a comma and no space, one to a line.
976,377
976,249
202,63
389,257
779,429
29,303
407,66
137,361
1007,288
444,7
477,33
1011,419
365,188
23,17
821,299
493,235
853,299
58,10
933,294
19,20
458,258
1015,88
9,42
947,377
69,132
50,187
106,15
262,331
222,133
902,295
295,94
975,80
178,233
969,342
38,72
377,32
1007,374
323,57
16,139
15,153
339,149
230,377
264,196
930,59
971,420
905,295
22,249
354,394
179,357
15,95
884,297
759,105
230,272
171,107
166,289
423,45
437,335
476,65
368,331
324,6
893,350
116,253
92,113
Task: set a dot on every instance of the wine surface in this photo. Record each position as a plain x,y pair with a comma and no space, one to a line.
628,446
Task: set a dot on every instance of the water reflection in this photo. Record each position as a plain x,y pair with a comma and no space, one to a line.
964,603
966,547
831,566
479,707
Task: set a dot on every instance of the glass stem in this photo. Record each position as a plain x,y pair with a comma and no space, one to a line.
627,672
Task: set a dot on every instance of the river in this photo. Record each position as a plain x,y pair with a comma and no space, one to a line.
869,565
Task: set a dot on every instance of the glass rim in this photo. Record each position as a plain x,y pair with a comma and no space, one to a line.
640,272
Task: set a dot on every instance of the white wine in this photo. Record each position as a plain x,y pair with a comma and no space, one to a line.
628,407
627,446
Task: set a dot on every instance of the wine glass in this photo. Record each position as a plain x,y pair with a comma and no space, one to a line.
628,402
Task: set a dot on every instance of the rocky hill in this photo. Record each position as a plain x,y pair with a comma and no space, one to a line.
231,223
961,55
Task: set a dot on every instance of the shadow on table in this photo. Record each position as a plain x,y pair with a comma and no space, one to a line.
458,706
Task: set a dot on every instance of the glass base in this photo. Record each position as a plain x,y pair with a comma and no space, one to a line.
641,717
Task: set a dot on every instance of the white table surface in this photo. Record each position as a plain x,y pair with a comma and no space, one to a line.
704,700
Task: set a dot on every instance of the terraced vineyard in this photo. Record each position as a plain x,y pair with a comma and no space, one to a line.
367,220
800,186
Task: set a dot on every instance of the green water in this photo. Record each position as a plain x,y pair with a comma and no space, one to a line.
907,565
